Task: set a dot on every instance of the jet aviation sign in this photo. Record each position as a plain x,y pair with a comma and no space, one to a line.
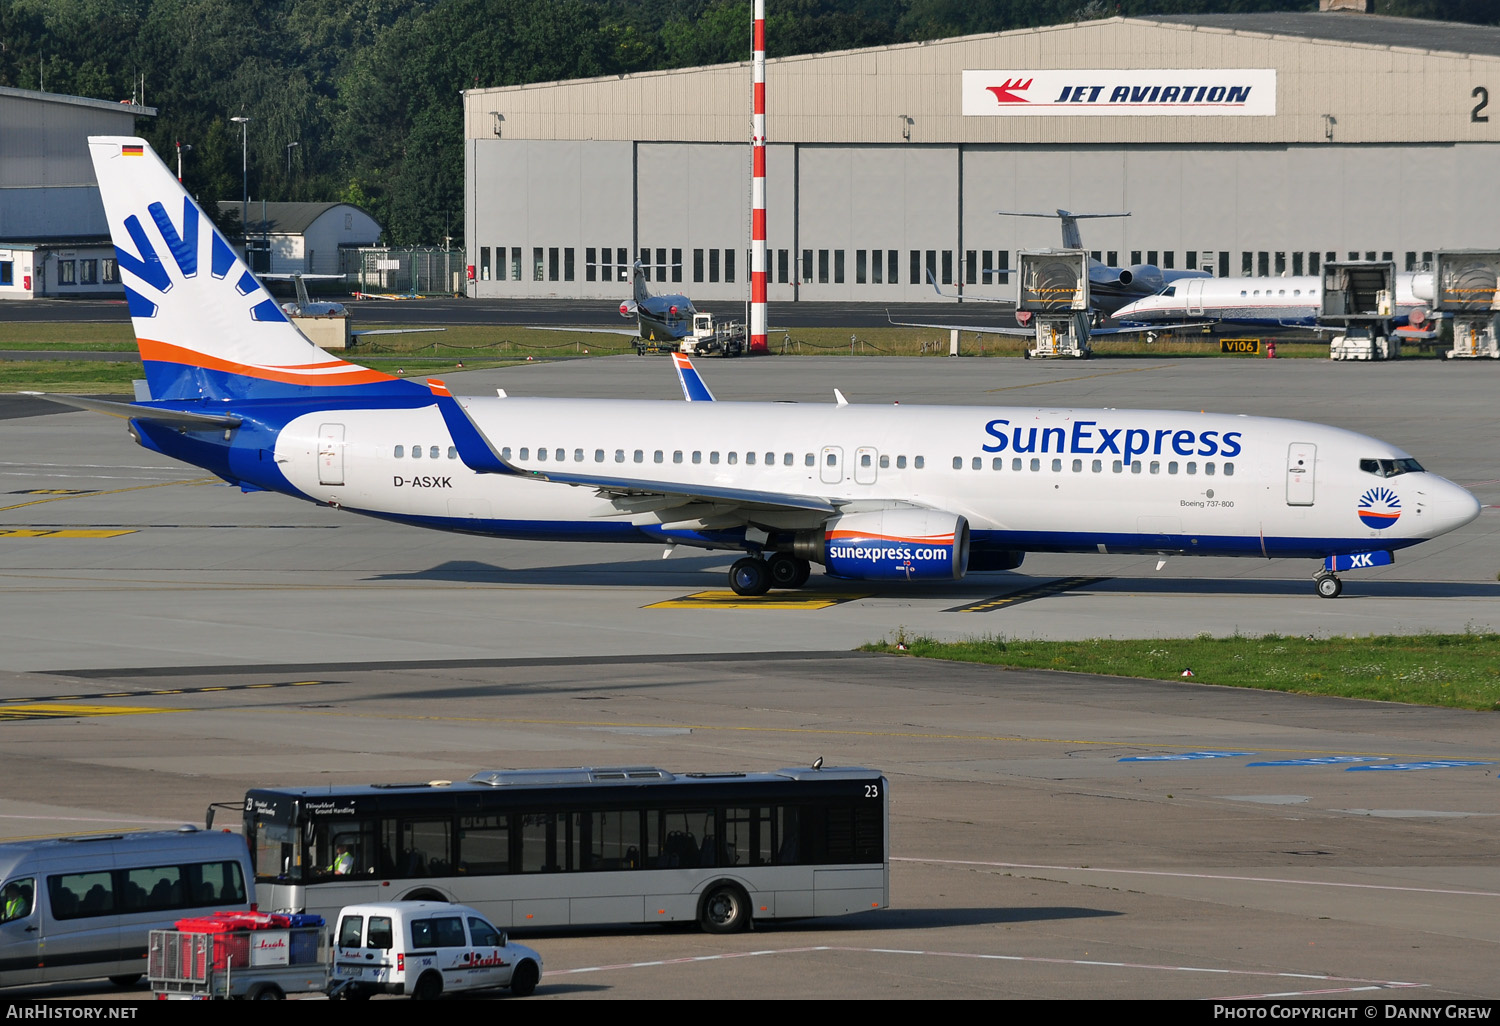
1117,93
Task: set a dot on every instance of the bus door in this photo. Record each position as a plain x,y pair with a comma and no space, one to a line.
331,454
1301,462
864,465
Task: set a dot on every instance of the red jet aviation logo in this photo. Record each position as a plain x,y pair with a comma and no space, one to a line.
1006,91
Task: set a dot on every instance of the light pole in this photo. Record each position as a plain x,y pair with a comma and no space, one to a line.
244,123
289,147
181,148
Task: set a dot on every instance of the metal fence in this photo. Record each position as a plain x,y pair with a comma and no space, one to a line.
414,270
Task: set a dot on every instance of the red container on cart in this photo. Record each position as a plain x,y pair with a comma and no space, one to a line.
232,933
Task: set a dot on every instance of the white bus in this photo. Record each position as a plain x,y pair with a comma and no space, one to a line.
562,847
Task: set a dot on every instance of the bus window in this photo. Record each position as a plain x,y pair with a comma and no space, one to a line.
484,844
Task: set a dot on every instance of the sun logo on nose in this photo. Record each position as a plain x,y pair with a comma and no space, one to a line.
1379,508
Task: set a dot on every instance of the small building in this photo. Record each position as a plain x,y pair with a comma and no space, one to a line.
54,238
303,238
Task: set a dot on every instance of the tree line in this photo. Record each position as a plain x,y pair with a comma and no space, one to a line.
359,100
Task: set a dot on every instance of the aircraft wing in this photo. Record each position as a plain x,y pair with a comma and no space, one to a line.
954,295
632,332
134,411
1160,329
988,329
479,454
394,331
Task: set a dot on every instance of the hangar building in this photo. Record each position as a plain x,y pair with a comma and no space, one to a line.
1243,143
54,238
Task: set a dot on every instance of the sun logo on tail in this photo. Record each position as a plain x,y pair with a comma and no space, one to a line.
1379,508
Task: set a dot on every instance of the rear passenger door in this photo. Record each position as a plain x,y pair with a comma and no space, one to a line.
81,928
487,956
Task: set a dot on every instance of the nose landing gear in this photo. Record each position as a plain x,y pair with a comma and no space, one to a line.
1328,585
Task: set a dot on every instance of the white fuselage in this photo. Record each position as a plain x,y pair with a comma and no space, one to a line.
1255,301
1029,479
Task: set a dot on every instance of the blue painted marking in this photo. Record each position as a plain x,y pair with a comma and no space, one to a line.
139,305
184,248
1322,760
1428,764
247,284
267,310
1183,756
148,266
223,256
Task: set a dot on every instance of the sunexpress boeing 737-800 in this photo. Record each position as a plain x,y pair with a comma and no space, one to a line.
884,493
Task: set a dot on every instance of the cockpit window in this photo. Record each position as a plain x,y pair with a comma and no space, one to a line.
1390,468
1170,290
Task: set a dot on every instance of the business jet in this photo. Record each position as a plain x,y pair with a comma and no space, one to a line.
1111,287
663,318
1287,302
872,493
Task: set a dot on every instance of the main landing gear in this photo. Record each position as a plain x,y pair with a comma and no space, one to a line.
1328,585
755,576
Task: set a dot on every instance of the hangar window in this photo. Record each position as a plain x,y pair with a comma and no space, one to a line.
590,264
661,265
822,267
1247,263
109,271
677,265
971,267
1297,262
932,267
568,264
1114,258
729,265
401,453
713,265
484,263
1151,257
515,262
807,267
552,263
781,266
697,265
1263,261
860,262
916,266
890,266
1280,263
644,259
538,271
1135,256
1224,263
947,267
838,267
1002,266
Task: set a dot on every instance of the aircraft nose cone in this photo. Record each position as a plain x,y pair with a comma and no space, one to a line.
1454,507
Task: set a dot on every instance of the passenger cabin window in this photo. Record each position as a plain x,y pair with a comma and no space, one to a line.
453,452
918,462
433,452
416,452
810,460
400,452
900,462
598,455
525,453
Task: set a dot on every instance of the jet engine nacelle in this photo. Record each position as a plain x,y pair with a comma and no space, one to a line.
1144,276
892,545
627,308
1422,286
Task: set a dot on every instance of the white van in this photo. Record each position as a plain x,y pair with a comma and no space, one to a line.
75,908
426,949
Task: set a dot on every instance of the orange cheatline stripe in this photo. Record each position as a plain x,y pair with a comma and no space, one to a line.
163,352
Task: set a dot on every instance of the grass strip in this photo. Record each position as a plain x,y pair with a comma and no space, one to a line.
1459,671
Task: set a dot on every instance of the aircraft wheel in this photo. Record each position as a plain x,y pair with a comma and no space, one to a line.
788,571
750,576
1329,586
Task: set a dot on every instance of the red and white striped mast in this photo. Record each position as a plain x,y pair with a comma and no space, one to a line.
758,190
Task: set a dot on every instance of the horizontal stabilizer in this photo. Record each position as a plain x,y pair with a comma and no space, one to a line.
135,411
